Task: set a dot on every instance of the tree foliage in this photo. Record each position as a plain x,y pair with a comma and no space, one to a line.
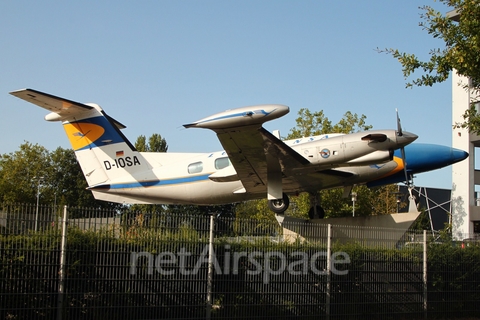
254,209
67,181
315,123
460,50
155,143
21,173
56,176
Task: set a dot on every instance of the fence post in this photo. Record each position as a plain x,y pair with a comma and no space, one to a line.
329,270
425,283
210,270
61,273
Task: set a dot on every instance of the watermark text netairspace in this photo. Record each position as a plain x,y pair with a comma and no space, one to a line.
267,264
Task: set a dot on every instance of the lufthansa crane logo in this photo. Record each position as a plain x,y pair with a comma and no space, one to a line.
82,134
325,153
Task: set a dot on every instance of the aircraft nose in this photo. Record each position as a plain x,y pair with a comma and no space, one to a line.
421,157
458,155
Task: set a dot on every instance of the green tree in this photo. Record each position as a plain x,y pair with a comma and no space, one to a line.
460,51
316,123
254,209
56,175
225,210
155,143
310,124
141,144
22,172
68,184
387,197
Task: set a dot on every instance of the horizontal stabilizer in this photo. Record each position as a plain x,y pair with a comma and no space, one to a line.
60,106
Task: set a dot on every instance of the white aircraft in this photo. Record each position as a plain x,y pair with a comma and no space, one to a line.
255,164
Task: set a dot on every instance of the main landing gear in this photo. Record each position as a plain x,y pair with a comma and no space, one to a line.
279,206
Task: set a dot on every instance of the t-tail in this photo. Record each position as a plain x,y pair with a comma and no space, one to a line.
104,153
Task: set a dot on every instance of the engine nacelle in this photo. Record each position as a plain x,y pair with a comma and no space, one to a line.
372,158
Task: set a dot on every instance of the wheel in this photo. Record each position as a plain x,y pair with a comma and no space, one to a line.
320,212
279,205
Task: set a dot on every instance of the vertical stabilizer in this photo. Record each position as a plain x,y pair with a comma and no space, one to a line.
103,152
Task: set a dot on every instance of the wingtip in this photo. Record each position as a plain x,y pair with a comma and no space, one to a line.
17,91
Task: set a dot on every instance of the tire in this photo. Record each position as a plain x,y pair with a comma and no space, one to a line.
279,205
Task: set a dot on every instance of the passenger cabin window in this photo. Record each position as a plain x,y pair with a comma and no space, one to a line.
195,167
221,163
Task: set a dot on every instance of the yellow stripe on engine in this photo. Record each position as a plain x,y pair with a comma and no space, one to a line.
398,168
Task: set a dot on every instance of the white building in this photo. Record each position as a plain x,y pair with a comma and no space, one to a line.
465,211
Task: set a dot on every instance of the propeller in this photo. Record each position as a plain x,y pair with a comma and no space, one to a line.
399,125
412,205
402,149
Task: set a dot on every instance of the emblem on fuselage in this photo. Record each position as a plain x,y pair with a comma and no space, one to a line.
325,153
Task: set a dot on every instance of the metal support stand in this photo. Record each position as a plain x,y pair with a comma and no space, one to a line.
209,301
63,262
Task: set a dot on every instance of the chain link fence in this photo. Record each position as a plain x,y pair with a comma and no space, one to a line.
103,264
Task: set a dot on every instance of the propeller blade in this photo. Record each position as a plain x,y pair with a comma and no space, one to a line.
400,133
399,125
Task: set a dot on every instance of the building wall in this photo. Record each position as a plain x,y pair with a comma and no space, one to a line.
464,209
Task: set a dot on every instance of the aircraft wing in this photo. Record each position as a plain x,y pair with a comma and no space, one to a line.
260,159
257,155
262,162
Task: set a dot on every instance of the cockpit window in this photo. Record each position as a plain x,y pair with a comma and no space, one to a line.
221,163
195,167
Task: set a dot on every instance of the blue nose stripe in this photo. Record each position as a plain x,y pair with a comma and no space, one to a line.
422,157
459,155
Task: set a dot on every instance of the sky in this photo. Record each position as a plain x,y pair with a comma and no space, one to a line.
156,65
